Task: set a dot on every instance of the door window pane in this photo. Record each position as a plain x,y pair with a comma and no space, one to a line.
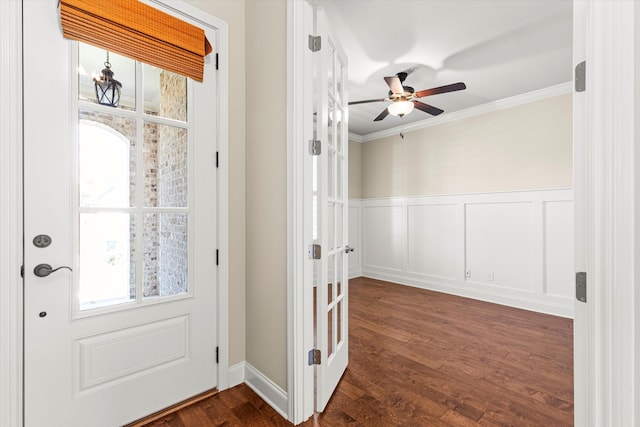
166,250
165,93
330,68
340,81
91,62
107,261
330,139
106,160
330,335
339,230
165,166
339,176
339,322
330,179
331,231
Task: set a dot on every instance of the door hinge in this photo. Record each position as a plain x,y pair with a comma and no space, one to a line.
581,286
315,357
581,77
217,160
315,147
217,354
315,251
217,257
315,43
217,61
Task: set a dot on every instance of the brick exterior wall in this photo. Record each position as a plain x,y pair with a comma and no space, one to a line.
165,241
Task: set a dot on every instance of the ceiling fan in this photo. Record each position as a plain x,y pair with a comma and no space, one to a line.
403,98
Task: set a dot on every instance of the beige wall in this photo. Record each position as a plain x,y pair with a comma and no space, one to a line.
232,11
266,180
520,148
257,181
355,170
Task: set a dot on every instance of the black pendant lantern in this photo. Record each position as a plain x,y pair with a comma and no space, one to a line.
107,88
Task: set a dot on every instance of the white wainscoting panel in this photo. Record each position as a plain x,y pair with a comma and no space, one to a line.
384,228
355,238
499,241
511,248
433,241
558,251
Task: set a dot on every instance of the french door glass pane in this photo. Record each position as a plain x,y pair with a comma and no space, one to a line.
339,124
165,93
330,347
330,177
165,166
107,259
331,225
166,250
339,233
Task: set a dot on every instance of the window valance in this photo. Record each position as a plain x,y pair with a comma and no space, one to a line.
136,30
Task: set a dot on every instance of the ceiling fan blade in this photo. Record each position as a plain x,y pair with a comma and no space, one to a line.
382,115
368,100
394,84
427,108
442,89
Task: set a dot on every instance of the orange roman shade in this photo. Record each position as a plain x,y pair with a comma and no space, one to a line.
138,31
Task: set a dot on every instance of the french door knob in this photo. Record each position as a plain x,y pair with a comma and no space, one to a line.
43,270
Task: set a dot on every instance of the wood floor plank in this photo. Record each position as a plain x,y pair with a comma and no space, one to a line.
422,358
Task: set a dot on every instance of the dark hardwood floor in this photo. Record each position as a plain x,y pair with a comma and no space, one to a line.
422,358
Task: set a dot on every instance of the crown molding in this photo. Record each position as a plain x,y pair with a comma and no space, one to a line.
501,104
355,137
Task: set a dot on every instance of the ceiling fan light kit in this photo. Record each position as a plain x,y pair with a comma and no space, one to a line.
404,98
400,108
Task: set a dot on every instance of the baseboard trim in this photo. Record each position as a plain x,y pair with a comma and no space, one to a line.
546,307
237,374
353,273
269,391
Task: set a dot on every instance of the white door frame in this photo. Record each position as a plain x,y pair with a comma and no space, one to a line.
181,8
11,303
11,214
300,382
610,365
606,354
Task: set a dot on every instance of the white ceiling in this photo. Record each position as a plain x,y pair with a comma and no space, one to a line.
499,48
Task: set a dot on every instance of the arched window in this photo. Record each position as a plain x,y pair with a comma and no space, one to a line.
105,237
104,166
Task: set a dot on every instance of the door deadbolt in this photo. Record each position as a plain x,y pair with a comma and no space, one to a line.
41,241
43,270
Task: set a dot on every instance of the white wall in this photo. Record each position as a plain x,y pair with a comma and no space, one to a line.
516,247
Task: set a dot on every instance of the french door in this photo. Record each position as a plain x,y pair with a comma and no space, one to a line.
120,233
330,179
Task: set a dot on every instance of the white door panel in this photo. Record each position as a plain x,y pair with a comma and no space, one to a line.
142,336
331,204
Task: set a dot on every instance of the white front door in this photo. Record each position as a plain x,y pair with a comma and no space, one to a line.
331,207
126,199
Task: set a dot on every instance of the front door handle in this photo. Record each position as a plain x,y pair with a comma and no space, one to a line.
43,270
